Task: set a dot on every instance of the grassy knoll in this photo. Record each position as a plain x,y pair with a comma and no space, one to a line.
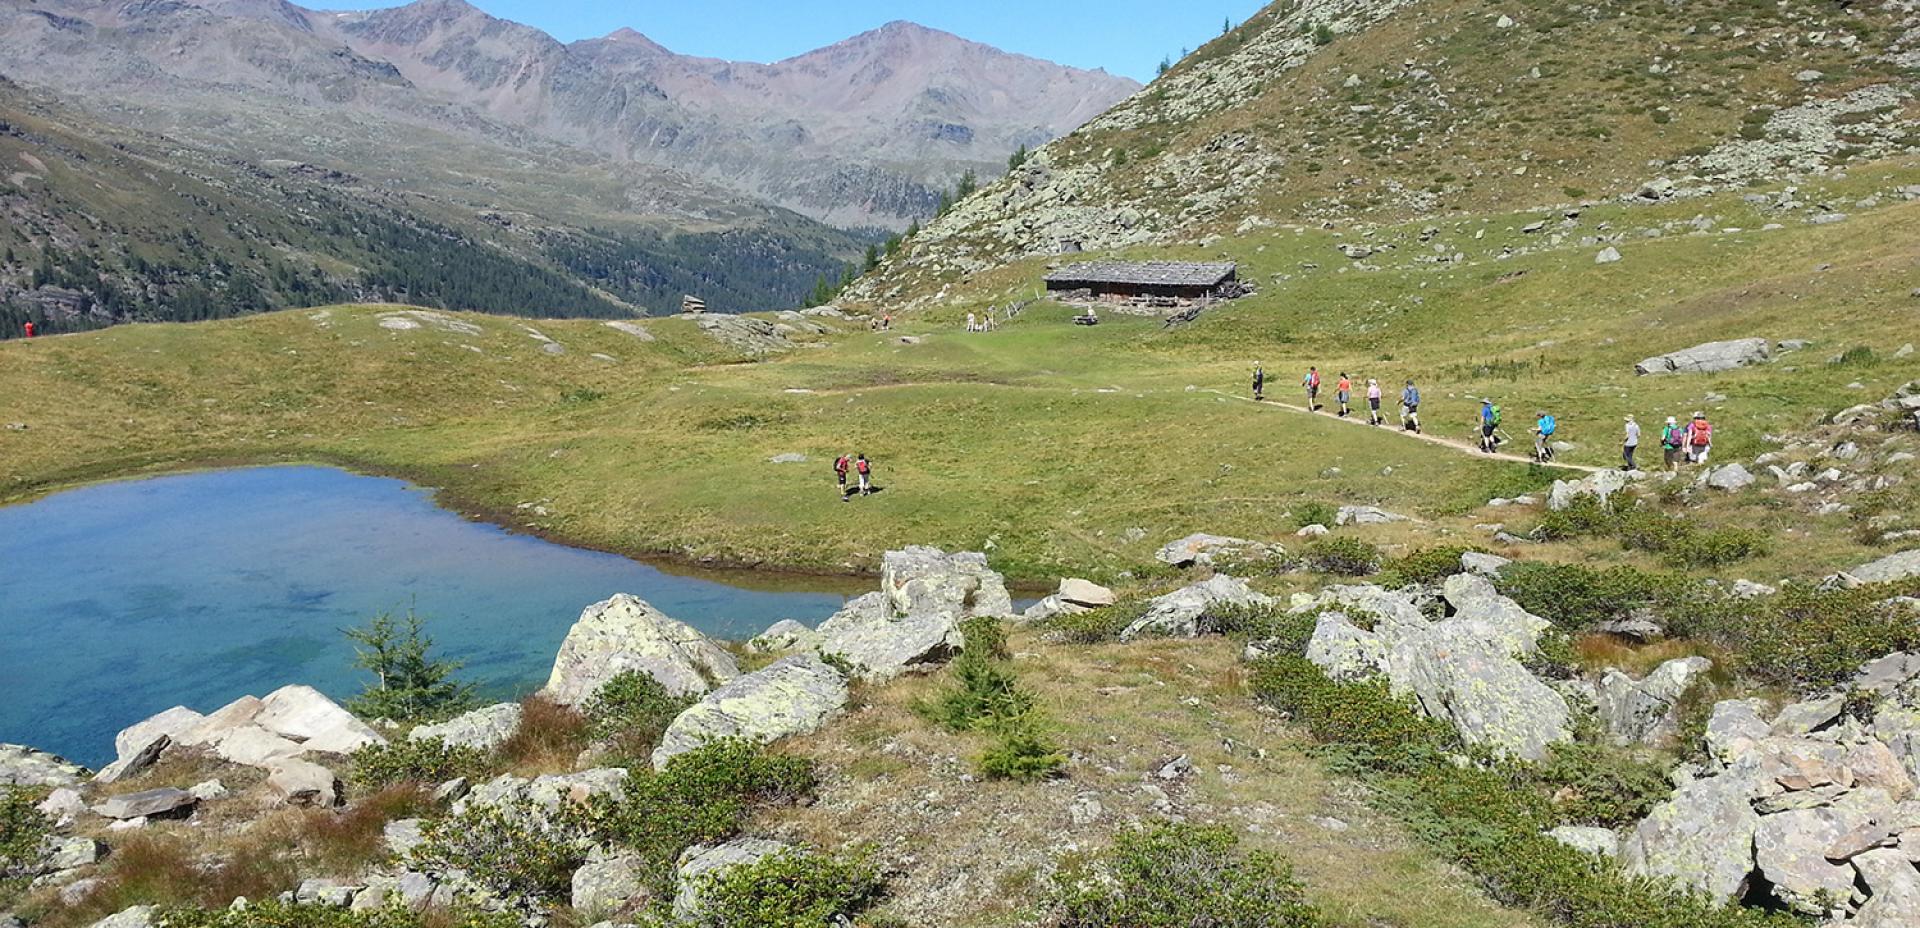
1044,443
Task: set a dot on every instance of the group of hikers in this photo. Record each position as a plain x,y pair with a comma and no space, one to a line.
1690,443
861,468
1343,393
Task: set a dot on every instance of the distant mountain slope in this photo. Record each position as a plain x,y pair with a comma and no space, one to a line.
101,224
1348,111
862,133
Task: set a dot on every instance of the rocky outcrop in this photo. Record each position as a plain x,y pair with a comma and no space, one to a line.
1464,669
914,620
1204,550
782,636
610,882
1646,711
745,334
1183,613
1900,566
145,803
700,864
1602,484
792,696
23,766
483,729
1709,358
174,723
1701,838
305,715
625,634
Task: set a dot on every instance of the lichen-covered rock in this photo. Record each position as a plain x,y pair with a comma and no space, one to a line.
1894,886
1701,838
881,643
24,766
485,728
1458,675
1734,727
782,636
610,882
1790,848
794,695
1730,478
1646,710
1600,842
1900,566
700,863
921,579
1343,651
298,782
543,796
624,634
1486,565
1182,613
1475,602
1366,515
1203,550
139,916
306,715
1602,484
1708,358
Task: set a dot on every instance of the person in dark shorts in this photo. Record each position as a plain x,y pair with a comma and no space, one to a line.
1259,383
1312,383
1410,409
1373,401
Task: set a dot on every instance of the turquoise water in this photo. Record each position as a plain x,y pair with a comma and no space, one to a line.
120,600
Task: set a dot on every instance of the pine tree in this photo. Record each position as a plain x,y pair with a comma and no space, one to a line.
1166,64
968,184
1018,158
873,257
408,685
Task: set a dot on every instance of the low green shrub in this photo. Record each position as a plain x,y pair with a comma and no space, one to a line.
1347,557
270,913
22,829
983,686
630,712
518,852
1425,566
1592,784
703,796
1805,638
1021,750
1577,598
790,889
426,761
1679,542
1096,626
1169,875
1314,513
1475,815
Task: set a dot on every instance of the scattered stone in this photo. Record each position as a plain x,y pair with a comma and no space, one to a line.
484,729
139,916
24,766
1607,255
699,862
790,457
792,696
1204,550
624,634
297,782
328,893
1731,477
145,804
67,853
401,836
1366,515
1312,531
63,807
1183,612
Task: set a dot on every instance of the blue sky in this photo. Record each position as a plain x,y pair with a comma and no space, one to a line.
1123,36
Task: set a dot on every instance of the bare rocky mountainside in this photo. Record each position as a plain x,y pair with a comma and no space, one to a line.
862,133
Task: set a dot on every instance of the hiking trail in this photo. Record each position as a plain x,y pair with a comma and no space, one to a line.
1455,444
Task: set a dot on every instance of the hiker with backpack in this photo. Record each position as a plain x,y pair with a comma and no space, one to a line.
1343,391
1699,439
841,465
865,469
1410,409
1373,401
1312,383
1543,428
1259,383
1629,446
1671,439
1489,425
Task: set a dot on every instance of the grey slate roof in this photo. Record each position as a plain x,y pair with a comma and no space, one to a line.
1163,273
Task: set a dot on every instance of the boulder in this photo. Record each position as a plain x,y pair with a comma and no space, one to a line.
223,721
1730,478
401,836
298,782
543,796
1500,620
145,804
699,863
792,696
58,854
1809,714
1182,613
1486,565
1600,842
1894,885
920,580
1085,593
326,893
63,807
485,729
306,715
173,723
253,746
139,916
1343,651
1204,550
1901,566
1734,727
135,761
1790,848
610,882
1366,515
1603,484
1458,675
882,644
1708,358
625,633
782,636
1646,711
1701,838
409,890
24,766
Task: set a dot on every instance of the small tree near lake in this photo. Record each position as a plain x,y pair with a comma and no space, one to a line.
409,685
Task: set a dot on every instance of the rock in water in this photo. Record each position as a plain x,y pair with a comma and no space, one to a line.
1702,839
626,634
485,729
1343,651
1708,358
792,696
698,864
23,766
1182,613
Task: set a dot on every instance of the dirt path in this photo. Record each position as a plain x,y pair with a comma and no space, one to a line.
1456,445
